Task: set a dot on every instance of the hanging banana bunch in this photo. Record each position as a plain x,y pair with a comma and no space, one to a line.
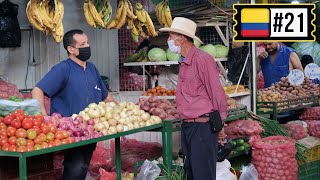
97,14
143,20
124,13
163,13
46,16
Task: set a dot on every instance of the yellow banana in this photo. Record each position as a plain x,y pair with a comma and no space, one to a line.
159,11
34,22
59,12
129,10
88,16
119,10
167,15
95,14
162,14
150,26
112,24
58,34
46,20
122,19
132,27
138,11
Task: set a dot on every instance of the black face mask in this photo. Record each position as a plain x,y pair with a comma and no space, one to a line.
84,53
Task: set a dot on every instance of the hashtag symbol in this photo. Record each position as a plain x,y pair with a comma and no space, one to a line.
277,22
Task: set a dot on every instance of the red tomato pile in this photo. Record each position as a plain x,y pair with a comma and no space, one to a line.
24,133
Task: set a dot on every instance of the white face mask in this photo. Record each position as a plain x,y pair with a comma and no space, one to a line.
173,47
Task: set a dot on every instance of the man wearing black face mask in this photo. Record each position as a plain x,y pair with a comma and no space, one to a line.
72,85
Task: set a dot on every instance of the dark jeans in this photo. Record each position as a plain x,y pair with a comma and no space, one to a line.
76,162
199,149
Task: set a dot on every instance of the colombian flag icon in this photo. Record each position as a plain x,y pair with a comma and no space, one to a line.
255,22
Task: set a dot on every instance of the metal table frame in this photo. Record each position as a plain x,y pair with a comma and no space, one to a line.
23,156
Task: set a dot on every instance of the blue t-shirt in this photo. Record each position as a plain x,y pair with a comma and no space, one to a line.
71,88
273,73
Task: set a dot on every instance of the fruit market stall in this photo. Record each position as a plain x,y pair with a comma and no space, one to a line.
283,97
24,136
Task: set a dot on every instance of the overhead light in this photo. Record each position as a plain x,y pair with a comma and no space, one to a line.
295,2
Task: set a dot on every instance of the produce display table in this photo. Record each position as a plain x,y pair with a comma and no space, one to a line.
274,108
23,156
170,126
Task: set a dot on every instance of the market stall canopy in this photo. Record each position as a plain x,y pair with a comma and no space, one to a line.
203,14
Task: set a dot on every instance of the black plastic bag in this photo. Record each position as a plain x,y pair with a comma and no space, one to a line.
236,61
10,33
225,150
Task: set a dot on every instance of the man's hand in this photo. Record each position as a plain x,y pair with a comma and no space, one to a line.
221,137
263,55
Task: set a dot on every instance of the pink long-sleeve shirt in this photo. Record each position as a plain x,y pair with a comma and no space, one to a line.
199,90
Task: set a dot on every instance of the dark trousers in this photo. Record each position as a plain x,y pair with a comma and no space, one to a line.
199,149
76,162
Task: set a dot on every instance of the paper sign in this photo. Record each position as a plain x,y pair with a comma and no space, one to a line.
312,71
296,77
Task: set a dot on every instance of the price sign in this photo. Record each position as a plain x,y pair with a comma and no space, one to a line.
312,71
273,22
296,77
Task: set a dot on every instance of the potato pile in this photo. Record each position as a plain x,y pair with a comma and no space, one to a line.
231,89
163,108
293,92
283,91
270,96
232,103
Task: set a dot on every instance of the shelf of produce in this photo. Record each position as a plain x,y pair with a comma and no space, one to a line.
163,63
247,93
174,97
274,108
22,156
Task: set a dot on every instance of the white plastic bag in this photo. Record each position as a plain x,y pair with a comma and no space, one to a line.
223,171
168,77
149,171
31,106
310,48
249,173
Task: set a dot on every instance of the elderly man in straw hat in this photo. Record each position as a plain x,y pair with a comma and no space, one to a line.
201,101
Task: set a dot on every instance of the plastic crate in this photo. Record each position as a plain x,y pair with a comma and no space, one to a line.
237,113
309,171
40,166
286,105
312,154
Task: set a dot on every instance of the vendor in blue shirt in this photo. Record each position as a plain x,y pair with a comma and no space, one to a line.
72,85
276,62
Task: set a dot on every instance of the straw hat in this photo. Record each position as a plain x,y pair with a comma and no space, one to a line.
183,26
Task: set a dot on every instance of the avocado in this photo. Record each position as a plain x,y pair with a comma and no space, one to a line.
239,142
240,149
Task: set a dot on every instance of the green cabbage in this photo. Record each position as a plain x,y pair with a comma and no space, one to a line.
221,51
157,54
209,48
197,43
172,56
